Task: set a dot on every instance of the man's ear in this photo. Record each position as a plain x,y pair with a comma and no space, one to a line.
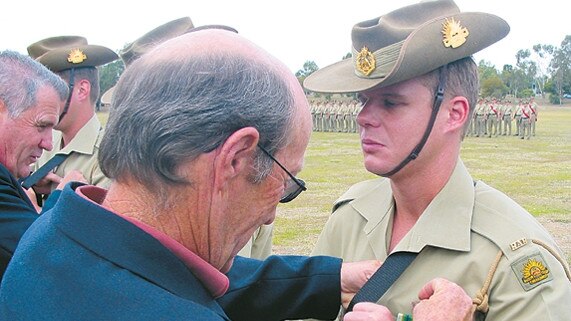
83,89
458,113
235,155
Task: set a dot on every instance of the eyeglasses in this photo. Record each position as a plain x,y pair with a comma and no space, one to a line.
292,190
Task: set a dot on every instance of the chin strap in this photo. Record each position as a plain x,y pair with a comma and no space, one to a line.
71,83
439,96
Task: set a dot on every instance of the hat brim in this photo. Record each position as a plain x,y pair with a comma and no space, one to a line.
57,60
108,96
423,51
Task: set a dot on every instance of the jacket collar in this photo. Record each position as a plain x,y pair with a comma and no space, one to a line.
127,246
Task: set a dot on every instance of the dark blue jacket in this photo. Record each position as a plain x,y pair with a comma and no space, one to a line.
81,262
16,214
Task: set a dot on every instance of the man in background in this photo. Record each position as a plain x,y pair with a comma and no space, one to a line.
79,132
31,98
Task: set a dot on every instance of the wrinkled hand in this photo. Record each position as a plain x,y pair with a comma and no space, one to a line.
353,277
367,311
74,176
44,185
442,300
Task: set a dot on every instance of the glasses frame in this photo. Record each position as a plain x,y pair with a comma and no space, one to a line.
300,183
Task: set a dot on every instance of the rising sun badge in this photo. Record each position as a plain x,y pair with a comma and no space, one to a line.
76,56
532,271
365,61
454,34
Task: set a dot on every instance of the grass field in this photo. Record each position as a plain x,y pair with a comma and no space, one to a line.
536,173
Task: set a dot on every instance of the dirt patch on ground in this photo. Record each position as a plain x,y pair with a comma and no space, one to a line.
560,228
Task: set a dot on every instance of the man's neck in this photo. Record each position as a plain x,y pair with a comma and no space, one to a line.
413,191
68,133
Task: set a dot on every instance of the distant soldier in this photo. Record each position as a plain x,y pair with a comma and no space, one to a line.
525,121
500,107
517,117
480,118
319,116
507,112
533,115
469,129
346,116
340,113
312,109
327,116
493,118
354,112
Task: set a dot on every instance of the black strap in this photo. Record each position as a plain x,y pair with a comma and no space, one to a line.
439,96
381,281
43,171
68,101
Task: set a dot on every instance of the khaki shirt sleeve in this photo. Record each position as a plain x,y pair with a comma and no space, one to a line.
262,242
532,287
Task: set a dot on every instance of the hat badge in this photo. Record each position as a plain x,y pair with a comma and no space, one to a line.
365,61
454,34
76,56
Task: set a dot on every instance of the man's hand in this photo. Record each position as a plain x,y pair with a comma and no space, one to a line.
44,185
442,300
354,276
368,311
74,176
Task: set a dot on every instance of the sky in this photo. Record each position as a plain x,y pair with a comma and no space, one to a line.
294,31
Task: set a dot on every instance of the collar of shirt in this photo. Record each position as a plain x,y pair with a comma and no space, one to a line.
83,142
445,223
215,281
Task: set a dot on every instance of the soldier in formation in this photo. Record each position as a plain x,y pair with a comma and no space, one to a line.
338,116
494,117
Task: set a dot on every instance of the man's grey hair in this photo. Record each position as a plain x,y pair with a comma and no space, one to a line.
462,79
169,112
20,79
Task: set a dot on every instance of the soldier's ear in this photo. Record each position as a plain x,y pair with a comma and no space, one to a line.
458,111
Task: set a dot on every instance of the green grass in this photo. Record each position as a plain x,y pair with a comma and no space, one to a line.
536,173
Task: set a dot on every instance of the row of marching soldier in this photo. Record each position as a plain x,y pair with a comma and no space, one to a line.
335,115
495,117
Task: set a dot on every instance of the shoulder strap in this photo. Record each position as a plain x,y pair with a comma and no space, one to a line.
381,281
44,170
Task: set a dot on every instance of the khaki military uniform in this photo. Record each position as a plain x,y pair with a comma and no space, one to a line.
507,119
458,237
82,151
532,117
480,119
260,244
517,117
525,122
492,120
